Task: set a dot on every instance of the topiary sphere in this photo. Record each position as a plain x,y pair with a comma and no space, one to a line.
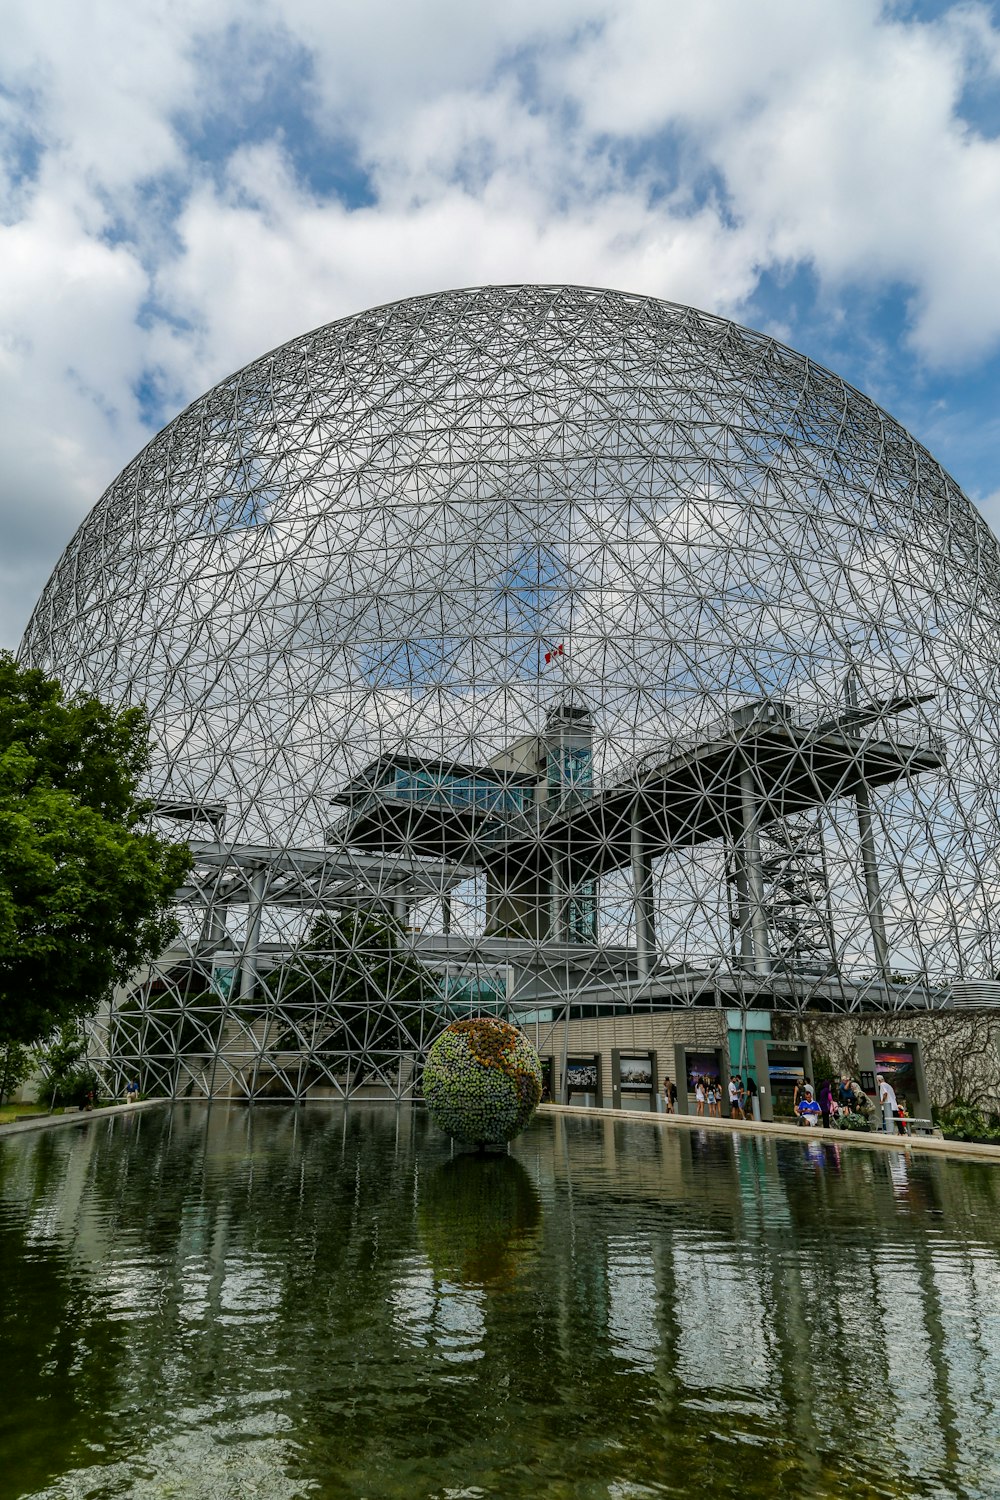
482,1081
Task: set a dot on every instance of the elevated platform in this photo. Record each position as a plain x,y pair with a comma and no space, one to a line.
225,872
693,795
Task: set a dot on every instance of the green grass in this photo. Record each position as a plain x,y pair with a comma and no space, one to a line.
9,1111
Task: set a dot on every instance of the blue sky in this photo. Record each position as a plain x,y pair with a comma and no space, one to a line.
188,184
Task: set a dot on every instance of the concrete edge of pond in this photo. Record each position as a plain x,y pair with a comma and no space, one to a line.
78,1117
932,1145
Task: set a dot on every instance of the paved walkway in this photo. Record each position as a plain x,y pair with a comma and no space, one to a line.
79,1117
870,1141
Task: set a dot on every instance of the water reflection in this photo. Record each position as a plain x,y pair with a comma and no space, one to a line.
285,1302
478,1216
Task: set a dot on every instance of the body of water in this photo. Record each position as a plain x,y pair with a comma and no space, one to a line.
281,1302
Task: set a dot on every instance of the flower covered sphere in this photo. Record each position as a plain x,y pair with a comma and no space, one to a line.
482,1081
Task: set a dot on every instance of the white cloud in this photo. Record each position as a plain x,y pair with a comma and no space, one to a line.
262,260
672,149
69,352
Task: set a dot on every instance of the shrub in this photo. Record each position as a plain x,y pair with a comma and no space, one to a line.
961,1121
69,1078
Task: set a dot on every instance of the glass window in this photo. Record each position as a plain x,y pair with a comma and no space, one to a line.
460,791
570,772
582,915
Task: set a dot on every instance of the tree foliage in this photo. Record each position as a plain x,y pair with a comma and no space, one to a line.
370,992
84,885
15,1065
69,1078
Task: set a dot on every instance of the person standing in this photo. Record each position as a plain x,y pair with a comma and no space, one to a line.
668,1107
825,1101
751,1096
887,1096
699,1096
735,1111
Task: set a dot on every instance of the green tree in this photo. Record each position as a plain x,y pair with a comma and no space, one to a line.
370,991
69,1079
15,1065
85,887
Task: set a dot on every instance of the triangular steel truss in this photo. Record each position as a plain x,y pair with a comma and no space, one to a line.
526,648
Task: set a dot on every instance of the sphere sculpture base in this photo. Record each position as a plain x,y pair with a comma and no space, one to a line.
482,1082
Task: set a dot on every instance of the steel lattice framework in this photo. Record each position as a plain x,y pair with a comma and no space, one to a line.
526,647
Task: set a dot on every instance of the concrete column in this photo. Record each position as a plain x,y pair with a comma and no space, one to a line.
400,907
743,908
759,947
255,911
446,915
873,889
644,905
220,916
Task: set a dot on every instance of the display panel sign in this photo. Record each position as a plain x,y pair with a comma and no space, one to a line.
635,1073
702,1065
897,1068
785,1073
581,1075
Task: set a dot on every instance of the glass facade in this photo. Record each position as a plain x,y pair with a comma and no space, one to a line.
582,915
474,992
467,793
570,773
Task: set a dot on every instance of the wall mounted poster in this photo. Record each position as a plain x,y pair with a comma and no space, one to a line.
896,1066
785,1074
702,1065
581,1075
635,1073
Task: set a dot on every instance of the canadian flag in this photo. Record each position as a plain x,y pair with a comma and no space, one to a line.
558,651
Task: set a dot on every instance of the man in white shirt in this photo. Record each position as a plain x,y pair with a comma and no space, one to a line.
735,1112
887,1096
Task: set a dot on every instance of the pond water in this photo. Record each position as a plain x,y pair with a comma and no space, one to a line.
285,1302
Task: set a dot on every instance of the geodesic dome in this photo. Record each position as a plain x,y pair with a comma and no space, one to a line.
574,537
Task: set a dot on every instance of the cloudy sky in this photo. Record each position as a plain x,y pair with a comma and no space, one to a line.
187,183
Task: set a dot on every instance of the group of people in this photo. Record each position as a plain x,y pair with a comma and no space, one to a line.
708,1096
842,1103
839,1103
741,1097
